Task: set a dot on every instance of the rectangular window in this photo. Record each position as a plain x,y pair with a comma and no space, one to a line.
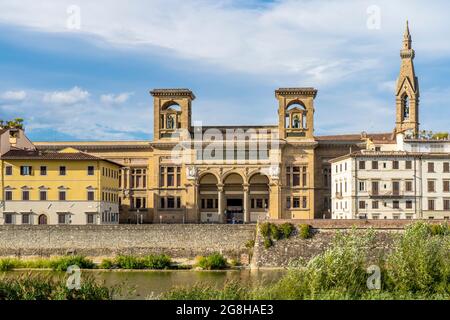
446,185
395,165
178,176
25,218
431,186
430,166
42,195
431,204
296,176
408,164
25,195
374,204
62,170
25,170
162,182
259,203
296,202
62,195
90,218
304,176
408,186
446,204
288,202
170,177
90,170
396,204
8,170
170,202
446,168
304,202
408,204
62,218
8,218
90,195
162,203
362,205
362,186
395,188
43,171
8,195
375,187
375,165
362,165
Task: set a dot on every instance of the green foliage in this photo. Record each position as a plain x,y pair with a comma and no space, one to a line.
417,268
421,261
287,229
16,123
160,261
212,262
8,264
439,229
38,287
62,263
267,243
275,232
304,231
440,135
250,244
230,291
106,264
264,228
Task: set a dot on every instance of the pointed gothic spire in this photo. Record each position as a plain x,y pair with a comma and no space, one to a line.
407,51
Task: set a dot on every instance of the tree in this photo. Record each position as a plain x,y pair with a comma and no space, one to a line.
17,123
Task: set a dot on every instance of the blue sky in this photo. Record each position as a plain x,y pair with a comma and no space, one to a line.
92,82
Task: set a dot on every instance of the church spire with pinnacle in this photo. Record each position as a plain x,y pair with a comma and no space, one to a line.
407,94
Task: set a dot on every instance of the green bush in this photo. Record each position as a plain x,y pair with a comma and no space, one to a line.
212,262
304,231
160,261
267,243
62,263
250,244
106,264
275,232
7,264
287,229
128,262
264,228
439,229
200,291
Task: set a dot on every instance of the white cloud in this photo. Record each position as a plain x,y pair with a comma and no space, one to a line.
14,95
72,96
303,39
115,99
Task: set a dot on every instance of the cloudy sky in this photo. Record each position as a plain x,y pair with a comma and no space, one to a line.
81,70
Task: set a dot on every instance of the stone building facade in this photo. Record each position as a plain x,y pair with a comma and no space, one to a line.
195,173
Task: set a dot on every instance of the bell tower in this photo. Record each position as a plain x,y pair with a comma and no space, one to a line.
172,112
296,112
407,92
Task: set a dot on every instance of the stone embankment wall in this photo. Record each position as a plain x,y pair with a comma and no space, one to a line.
176,240
283,252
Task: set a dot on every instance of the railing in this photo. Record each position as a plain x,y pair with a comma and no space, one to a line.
391,194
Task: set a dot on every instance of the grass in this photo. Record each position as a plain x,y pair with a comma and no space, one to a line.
154,262
40,287
418,267
214,261
57,264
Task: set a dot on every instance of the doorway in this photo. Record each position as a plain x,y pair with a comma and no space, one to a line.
235,211
42,219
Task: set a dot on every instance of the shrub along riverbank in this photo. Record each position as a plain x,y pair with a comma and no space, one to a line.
214,261
417,268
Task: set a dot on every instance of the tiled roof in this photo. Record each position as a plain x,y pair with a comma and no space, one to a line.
376,137
37,155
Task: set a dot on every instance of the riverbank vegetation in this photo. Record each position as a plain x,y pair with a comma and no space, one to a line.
418,267
272,232
40,287
215,261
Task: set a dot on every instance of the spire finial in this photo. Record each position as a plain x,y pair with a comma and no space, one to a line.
407,28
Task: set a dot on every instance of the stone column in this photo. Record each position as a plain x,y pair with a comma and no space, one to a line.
221,203
246,207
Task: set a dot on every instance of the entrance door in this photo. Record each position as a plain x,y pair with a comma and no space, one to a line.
42,219
234,211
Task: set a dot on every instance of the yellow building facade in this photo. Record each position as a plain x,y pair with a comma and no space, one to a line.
64,187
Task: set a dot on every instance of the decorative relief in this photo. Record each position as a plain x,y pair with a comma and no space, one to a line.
191,172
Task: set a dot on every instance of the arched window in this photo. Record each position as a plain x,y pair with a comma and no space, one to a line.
405,107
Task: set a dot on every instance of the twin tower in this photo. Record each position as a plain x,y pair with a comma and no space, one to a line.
172,107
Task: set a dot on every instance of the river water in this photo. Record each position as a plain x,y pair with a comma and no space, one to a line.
145,284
